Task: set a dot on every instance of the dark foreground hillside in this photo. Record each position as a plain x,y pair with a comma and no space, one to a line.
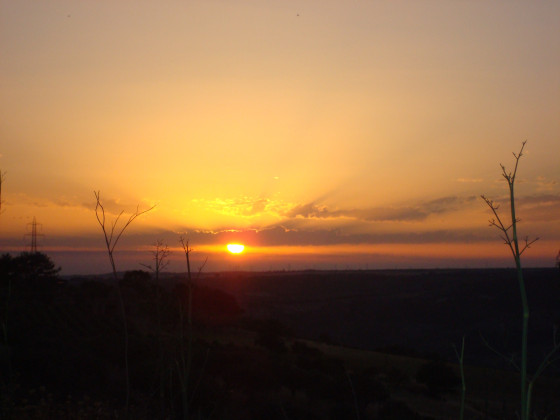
415,312
265,345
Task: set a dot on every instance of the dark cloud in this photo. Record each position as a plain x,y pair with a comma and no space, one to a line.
312,210
544,207
447,204
414,213
285,235
539,199
390,214
280,236
296,229
115,207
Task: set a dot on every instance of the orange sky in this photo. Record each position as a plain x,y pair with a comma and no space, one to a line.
323,134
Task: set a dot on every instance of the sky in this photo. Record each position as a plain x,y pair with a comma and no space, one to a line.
320,134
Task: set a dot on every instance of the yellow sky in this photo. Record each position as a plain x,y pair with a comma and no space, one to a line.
371,124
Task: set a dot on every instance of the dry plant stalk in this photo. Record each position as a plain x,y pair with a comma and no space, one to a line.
112,236
184,365
510,238
160,256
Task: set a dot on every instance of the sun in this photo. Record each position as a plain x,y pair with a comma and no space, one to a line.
235,248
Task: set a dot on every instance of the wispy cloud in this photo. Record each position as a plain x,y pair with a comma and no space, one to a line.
111,205
470,180
549,199
115,206
545,184
543,208
390,214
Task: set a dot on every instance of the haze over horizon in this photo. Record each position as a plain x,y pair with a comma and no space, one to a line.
319,134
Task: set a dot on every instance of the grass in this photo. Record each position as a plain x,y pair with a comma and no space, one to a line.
492,392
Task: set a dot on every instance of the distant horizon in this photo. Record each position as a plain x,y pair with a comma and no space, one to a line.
210,273
97,263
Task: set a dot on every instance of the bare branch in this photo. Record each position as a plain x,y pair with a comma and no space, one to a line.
517,157
506,240
528,244
509,359
187,250
201,267
114,225
130,220
497,223
160,254
110,239
148,266
546,362
505,173
101,220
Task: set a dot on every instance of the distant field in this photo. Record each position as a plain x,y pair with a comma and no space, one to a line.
412,312
415,312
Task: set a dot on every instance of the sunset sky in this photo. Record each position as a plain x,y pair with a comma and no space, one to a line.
320,134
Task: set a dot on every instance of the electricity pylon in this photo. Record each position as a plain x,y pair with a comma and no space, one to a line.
33,234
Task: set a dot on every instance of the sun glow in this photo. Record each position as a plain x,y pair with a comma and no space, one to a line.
235,248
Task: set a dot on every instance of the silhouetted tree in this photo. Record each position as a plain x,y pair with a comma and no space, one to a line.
29,266
29,274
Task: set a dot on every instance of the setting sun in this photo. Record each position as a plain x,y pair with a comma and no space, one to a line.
235,248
